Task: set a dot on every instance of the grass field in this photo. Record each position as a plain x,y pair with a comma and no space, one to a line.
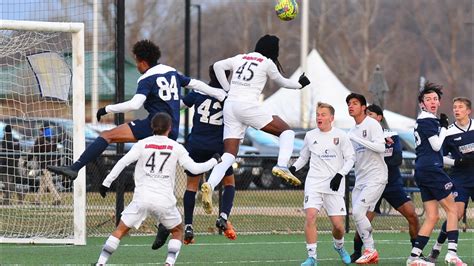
284,249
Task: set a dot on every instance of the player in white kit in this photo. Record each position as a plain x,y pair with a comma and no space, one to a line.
155,178
243,109
370,171
331,157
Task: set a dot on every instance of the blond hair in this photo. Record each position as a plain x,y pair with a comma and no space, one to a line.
326,105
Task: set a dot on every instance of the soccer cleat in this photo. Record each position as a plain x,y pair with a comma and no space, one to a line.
369,257
285,173
188,234
355,256
310,261
63,170
433,256
417,261
161,237
226,227
453,260
206,190
345,257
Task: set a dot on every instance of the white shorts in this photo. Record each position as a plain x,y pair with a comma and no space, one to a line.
137,212
333,204
367,195
239,115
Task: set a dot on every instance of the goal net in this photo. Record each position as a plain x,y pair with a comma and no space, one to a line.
41,124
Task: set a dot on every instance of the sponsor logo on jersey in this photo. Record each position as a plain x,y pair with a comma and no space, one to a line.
253,58
448,186
335,141
457,139
362,200
342,209
468,148
315,142
158,147
364,133
306,199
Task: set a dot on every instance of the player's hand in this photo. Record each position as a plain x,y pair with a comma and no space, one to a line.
103,190
335,182
292,169
100,113
443,120
389,141
464,162
303,80
217,156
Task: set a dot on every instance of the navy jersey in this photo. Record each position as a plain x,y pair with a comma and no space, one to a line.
459,143
207,131
161,85
427,125
393,159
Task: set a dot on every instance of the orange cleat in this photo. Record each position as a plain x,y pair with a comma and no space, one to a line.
230,232
369,257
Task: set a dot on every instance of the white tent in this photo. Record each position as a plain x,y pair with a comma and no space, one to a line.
324,87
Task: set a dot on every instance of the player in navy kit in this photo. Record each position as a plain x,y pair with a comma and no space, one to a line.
435,185
393,192
458,148
159,90
204,141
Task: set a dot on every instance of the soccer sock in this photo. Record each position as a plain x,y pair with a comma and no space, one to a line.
189,201
358,245
109,247
91,153
453,241
412,241
338,243
219,170
442,234
287,139
174,246
311,248
228,199
364,228
420,243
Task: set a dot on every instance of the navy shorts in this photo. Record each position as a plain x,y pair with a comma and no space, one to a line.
395,196
201,156
462,194
141,128
434,183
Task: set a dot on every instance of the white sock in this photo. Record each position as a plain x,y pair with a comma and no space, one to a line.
311,248
364,228
437,246
219,170
109,247
287,139
174,245
338,243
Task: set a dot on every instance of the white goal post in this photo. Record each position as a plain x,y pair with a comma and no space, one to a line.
78,116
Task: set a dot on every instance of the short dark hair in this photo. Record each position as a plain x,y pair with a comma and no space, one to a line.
430,87
212,77
464,100
358,97
147,51
160,123
375,109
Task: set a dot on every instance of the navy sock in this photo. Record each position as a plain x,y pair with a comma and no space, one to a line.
189,200
453,240
358,244
91,153
442,235
412,242
420,243
228,199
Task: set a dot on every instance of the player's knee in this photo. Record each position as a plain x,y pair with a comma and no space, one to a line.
432,217
192,183
338,228
228,180
359,214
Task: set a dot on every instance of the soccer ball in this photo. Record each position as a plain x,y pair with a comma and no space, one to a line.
286,9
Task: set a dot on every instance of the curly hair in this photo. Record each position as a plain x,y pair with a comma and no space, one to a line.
429,88
147,51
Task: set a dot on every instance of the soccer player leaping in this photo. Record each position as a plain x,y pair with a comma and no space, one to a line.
242,109
159,90
155,179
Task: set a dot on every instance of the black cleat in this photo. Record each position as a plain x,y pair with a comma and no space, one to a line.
433,256
63,170
188,234
221,223
355,256
161,237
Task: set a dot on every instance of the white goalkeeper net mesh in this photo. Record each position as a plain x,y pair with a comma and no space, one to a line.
35,131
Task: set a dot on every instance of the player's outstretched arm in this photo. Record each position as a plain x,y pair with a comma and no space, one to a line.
130,157
219,69
131,105
189,164
198,85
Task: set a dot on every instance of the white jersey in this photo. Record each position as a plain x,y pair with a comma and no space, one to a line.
330,152
369,145
155,170
249,76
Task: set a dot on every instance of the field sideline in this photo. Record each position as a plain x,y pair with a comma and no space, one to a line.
217,250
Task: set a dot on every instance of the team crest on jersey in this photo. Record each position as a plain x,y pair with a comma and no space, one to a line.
364,133
335,141
448,186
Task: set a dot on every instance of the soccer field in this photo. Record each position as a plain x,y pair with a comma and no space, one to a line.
217,250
